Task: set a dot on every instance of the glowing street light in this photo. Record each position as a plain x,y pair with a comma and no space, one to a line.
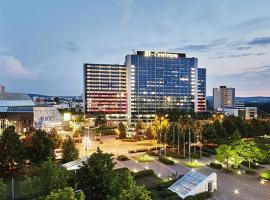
86,142
236,191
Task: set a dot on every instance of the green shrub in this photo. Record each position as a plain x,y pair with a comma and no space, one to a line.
141,150
265,174
165,161
228,170
209,150
195,156
122,158
146,172
264,161
206,154
250,171
252,165
144,158
193,164
216,165
152,153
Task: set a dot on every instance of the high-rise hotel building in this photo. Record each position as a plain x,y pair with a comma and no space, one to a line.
163,80
105,90
223,97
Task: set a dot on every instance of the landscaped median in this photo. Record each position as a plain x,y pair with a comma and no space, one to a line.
265,175
193,164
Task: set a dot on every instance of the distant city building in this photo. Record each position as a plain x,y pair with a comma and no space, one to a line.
163,81
201,89
2,88
105,90
243,112
238,103
18,110
223,97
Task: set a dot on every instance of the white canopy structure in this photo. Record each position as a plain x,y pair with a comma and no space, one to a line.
75,164
194,183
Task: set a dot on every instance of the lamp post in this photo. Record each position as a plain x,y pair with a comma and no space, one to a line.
189,137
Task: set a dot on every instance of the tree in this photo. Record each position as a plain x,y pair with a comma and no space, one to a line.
55,138
209,134
135,193
140,126
122,130
226,154
70,152
100,120
236,136
4,195
124,187
12,148
151,132
30,187
65,194
248,151
53,176
39,146
95,177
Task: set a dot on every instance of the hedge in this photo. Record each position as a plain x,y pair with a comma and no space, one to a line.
250,171
265,174
152,153
122,158
216,165
141,150
165,161
146,172
228,170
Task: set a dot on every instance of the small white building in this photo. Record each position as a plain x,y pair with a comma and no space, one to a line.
194,183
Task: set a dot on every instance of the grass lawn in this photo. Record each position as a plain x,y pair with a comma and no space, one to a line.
193,164
149,181
144,158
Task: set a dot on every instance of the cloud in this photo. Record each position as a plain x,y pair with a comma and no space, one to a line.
234,55
3,50
12,66
261,41
71,46
248,82
197,48
255,23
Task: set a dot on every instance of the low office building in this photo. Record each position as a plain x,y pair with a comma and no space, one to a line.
18,110
243,112
105,91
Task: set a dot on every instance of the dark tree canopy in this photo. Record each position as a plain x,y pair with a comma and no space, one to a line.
70,152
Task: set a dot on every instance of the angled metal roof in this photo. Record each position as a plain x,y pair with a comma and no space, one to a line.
15,99
75,164
187,183
10,109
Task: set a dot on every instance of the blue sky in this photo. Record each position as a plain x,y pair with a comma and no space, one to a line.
43,44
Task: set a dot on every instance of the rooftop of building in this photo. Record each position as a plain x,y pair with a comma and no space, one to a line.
8,99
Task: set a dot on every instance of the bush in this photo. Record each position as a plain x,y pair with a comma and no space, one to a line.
216,165
146,172
144,158
131,151
193,164
129,140
250,171
122,158
264,161
195,156
206,154
252,165
200,196
152,153
265,174
209,150
165,161
141,150
228,170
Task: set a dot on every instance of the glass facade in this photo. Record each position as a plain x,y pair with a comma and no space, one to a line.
105,89
160,80
201,89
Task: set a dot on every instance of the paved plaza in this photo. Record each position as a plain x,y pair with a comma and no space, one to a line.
248,186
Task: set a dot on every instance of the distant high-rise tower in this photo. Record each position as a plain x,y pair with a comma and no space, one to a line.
201,90
223,97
